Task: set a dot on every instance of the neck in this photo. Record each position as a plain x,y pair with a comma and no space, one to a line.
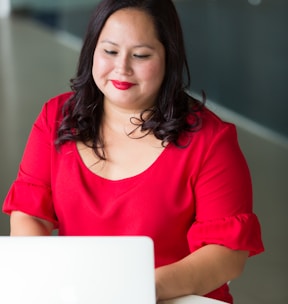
122,121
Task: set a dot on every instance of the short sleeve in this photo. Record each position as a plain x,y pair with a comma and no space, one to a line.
223,196
238,232
31,191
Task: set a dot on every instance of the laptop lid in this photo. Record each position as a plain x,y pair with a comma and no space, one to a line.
77,270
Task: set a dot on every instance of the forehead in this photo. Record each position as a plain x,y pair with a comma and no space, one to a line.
130,23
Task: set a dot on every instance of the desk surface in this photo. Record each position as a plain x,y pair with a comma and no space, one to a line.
193,299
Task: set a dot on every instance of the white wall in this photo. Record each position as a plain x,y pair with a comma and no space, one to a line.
5,8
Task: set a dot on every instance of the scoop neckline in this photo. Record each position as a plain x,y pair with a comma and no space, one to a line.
125,179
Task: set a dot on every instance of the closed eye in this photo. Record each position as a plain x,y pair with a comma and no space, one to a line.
108,52
141,56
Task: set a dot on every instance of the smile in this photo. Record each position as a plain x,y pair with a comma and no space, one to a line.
122,85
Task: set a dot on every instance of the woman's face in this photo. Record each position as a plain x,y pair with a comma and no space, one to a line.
129,61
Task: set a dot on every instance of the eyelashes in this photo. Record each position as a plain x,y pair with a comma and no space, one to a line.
137,56
141,56
110,52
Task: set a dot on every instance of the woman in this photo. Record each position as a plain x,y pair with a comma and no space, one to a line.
129,152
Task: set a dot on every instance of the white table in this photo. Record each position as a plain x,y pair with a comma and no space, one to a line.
193,299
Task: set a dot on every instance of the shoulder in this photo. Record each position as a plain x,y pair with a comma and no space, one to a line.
51,114
52,109
56,103
212,123
211,127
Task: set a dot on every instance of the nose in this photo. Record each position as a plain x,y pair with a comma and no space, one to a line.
123,65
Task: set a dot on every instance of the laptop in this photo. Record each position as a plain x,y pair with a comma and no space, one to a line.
77,270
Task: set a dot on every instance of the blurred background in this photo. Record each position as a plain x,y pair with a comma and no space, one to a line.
237,52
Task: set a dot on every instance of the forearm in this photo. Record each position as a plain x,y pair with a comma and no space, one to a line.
199,273
22,224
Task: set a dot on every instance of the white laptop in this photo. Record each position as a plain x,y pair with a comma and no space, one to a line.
76,270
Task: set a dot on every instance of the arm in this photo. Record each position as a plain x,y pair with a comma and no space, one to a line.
224,215
200,272
32,188
23,224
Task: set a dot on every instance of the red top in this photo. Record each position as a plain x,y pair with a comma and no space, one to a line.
187,198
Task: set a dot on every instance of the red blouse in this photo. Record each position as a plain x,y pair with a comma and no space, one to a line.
187,198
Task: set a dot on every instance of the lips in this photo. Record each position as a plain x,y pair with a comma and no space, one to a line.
122,85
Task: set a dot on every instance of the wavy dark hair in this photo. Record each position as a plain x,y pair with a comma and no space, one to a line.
168,117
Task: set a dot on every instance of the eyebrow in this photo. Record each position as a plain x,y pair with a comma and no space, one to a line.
136,46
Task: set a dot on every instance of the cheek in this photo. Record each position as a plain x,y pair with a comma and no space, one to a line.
155,72
100,67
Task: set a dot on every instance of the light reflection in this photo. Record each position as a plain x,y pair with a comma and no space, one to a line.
5,8
255,2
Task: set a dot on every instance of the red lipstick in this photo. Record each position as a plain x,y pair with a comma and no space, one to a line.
122,85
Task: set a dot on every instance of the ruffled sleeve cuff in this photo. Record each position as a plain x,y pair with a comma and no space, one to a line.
240,232
34,200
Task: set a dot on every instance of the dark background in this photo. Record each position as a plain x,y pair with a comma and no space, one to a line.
237,52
